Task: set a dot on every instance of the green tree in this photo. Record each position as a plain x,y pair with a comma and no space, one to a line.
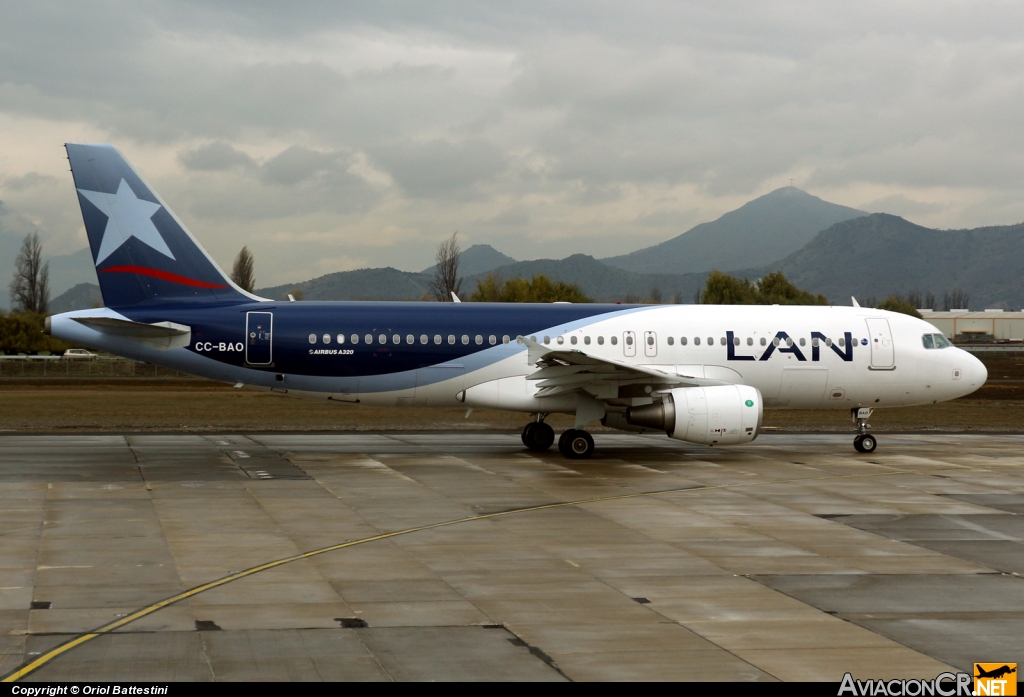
723,289
22,332
773,289
895,303
539,289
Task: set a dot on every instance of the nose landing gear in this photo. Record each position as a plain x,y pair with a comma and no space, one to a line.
537,435
864,442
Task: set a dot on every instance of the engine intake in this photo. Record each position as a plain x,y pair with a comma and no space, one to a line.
719,415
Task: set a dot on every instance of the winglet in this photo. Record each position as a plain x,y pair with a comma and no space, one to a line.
855,303
455,298
535,350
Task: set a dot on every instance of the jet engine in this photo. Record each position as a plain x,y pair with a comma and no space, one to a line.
719,415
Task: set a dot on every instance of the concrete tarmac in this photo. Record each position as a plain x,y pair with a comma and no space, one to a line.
792,558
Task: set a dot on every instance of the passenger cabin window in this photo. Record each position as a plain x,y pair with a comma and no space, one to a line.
465,339
505,339
682,340
600,341
492,340
711,341
547,340
572,340
355,338
764,341
396,338
341,338
586,340
312,338
560,339
383,338
437,339
479,340
614,340
650,340
750,341
410,339
803,342
451,339
696,341
842,341
629,340
424,339
671,341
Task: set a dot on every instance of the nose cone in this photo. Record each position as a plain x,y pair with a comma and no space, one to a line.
975,373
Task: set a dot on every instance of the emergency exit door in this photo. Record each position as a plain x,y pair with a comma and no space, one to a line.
259,349
883,355
650,344
628,344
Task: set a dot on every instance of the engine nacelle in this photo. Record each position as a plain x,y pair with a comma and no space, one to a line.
719,415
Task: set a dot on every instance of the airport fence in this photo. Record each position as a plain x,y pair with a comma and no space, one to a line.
99,367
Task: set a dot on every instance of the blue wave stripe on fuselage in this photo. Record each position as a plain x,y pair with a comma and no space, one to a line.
378,368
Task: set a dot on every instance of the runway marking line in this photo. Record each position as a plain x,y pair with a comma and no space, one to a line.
45,658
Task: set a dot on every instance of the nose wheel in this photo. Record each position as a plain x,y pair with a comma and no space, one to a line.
538,436
864,442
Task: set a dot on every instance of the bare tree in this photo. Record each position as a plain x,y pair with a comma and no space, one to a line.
929,300
956,299
677,298
655,295
446,274
243,272
30,289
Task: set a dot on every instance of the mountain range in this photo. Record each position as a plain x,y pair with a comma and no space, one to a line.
769,227
822,247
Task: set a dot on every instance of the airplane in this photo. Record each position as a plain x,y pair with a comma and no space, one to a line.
702,374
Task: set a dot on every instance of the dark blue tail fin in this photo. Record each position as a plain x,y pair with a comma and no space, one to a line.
142,252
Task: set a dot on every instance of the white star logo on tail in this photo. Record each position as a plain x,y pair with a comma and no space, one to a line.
127,216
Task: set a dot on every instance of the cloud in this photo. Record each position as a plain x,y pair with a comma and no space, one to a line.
441,167
370,132
215,157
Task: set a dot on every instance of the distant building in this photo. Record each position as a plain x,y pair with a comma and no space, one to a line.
990,325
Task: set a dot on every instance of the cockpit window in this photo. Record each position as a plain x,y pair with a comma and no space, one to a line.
928,341
935,341
941,341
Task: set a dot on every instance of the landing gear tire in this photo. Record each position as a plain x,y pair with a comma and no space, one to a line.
576,445
865,443
538,436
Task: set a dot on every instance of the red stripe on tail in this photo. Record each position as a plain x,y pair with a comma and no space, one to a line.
162,275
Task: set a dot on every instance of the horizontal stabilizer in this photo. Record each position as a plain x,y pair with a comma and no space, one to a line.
161,335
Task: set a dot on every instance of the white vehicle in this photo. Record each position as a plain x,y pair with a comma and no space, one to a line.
78,355
699,373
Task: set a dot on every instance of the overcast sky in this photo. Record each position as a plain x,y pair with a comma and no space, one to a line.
332,136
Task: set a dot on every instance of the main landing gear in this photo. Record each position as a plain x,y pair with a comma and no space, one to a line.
576,444
573,443
537,435
864,442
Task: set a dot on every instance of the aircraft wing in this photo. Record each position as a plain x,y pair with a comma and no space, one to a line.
567,370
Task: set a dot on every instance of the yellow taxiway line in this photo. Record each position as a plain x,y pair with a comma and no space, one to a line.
50,655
